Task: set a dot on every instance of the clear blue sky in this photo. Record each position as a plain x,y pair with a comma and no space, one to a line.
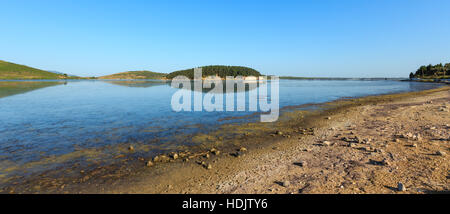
362,38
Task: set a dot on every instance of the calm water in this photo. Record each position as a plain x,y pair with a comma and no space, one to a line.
49,119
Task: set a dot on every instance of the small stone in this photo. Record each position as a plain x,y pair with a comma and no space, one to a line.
149,163
161,158
206,156
279,133
328,118
326,143
397,140
408,135
286,183
379,150
366,141
401,187
215,151
351,145
174,156
385,162
414,145
441,153
243,149
131,148
186,160
302,163
208,166
237,154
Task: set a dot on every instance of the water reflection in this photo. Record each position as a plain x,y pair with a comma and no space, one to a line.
138,83
20,87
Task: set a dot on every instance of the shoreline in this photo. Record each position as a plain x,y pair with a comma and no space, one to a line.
260,141
301,162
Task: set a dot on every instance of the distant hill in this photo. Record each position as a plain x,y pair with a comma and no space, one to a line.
14,71
135,75
219,70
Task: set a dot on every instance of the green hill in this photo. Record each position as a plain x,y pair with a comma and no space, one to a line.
136,75
14,71
219,70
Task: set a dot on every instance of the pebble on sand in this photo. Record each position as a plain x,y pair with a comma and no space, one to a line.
326,143
286,183
174,156
441,153
215,151
131,148
149,163
303,163
401,187
243,149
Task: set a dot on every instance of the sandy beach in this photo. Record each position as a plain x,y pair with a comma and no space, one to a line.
365,145
355,145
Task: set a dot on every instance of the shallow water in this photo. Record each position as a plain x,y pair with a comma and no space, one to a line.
49,119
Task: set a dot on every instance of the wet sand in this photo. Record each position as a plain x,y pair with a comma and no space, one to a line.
363,145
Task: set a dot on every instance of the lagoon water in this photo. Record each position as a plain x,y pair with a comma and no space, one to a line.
45,120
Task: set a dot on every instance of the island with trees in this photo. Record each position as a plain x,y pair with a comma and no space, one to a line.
438,71
217,70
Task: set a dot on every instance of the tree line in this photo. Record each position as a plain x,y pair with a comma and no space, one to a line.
219,70
431,71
